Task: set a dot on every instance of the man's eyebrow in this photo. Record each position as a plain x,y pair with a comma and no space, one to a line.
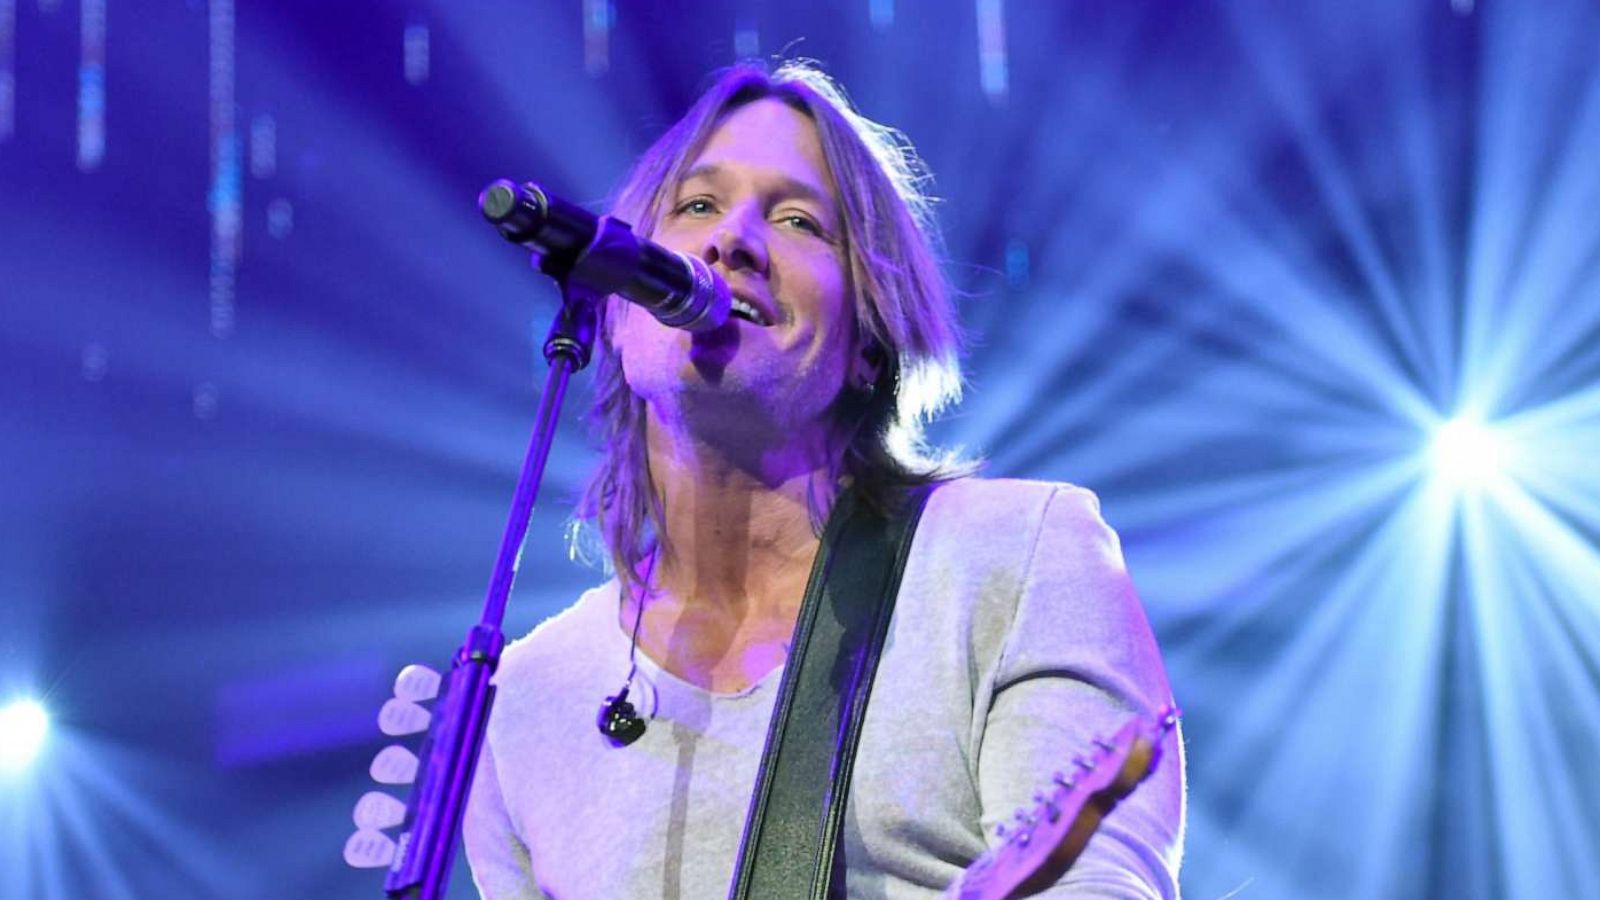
789,186
710,171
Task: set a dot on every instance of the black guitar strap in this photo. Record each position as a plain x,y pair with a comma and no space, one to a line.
797,812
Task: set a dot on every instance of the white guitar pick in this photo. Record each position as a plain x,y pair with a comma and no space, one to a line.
417,683
394,764
368,849
402,717
377,810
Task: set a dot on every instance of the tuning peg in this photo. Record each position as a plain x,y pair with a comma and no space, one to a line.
402,717
417,683
394,764
1047,804
377,810
368,849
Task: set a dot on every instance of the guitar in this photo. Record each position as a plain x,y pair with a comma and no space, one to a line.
1036,849
1044,841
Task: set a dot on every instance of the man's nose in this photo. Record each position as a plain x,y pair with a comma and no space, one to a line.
738,242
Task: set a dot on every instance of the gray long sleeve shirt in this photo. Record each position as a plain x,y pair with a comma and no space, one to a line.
1016,639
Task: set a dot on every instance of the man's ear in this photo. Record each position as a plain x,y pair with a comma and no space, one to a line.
869,363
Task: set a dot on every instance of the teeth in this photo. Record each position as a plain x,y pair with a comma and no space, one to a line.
747,311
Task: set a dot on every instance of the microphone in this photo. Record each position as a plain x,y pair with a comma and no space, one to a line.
606,256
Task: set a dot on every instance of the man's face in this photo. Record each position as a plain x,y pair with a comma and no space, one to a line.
758,205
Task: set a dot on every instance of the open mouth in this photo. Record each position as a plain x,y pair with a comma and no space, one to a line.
744,310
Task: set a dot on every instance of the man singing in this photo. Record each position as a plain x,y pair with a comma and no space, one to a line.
1016,635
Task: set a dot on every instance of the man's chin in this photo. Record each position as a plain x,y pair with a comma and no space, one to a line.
710,352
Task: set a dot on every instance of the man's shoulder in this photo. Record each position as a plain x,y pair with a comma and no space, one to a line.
990,523
984,503
557,641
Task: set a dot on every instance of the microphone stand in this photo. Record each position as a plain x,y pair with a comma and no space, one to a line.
429,835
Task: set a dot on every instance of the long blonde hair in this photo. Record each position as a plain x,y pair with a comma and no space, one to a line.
902,305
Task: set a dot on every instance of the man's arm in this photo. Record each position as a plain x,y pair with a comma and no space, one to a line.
1079,660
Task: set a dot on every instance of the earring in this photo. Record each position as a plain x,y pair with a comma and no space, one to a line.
867,384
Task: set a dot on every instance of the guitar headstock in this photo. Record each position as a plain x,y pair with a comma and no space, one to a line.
1042,842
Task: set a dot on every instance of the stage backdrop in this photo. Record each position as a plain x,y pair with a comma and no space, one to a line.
1309,294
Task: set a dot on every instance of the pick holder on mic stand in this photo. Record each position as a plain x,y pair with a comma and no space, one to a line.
428,838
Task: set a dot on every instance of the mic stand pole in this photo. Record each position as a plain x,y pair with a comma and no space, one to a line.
428,838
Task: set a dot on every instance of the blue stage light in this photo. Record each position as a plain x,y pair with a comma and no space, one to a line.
1468,454
24,726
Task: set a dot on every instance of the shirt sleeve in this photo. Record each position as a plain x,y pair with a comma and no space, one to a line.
1078,661
501,866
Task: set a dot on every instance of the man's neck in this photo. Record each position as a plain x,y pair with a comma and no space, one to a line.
740,527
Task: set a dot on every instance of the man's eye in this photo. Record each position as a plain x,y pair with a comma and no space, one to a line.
699,206
795,220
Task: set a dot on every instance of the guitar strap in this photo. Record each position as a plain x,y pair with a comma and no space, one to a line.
796,816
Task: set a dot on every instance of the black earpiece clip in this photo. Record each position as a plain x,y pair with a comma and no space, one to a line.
618,721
